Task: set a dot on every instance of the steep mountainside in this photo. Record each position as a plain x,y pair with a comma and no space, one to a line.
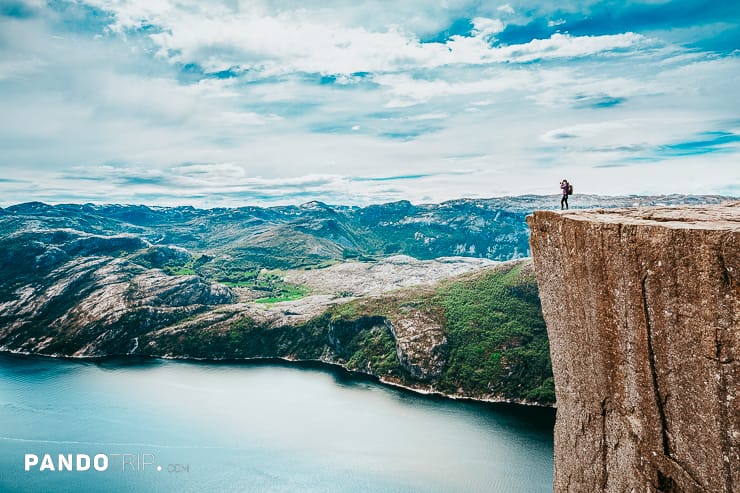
643,314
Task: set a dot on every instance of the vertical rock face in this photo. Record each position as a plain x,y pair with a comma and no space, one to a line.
643,314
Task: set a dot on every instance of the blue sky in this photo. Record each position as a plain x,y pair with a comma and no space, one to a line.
229,102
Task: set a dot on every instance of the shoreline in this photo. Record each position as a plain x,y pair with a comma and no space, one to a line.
315,363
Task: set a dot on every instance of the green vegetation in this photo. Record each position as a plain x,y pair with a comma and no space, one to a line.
271,282
345,311
248,338
187,269
375,350
321,265
498,336
179,271
493,322
241,279
365,344
284,292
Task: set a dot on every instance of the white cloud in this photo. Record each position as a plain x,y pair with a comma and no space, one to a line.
586,130
566,46
483,26
233,118
19,68
121,107
305,40
427,117
407,91
506,8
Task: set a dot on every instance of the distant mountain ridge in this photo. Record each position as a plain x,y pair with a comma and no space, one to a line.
312,233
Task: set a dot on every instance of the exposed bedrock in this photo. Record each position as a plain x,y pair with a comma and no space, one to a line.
643,314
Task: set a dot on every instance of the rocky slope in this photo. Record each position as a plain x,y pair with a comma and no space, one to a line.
397,271
73,294
643,314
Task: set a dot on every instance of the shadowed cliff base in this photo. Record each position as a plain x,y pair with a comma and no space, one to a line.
643,315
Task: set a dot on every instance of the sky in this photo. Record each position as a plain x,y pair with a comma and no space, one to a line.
227,102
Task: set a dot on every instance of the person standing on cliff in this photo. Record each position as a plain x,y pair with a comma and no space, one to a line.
564,187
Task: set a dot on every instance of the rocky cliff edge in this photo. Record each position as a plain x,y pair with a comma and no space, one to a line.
643,315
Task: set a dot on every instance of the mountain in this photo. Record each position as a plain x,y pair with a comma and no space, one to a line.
408,293
227,241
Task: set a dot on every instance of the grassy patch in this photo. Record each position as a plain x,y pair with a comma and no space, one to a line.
240,278
321,265
179,271
269,282
284,292
238,284
186,269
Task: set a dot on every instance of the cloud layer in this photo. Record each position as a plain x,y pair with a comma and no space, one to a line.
232,102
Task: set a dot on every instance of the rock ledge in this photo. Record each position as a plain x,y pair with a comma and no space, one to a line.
643,314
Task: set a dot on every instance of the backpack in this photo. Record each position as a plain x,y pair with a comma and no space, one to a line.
570,189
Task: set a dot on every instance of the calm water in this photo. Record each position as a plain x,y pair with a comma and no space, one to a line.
261,428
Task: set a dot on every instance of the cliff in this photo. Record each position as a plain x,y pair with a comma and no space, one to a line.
643,315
